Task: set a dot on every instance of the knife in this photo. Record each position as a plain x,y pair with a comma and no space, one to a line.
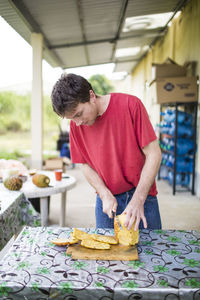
117,220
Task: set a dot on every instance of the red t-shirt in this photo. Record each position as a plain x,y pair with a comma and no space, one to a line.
112,146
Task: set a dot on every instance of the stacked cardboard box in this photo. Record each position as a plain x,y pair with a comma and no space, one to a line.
53,164
170,84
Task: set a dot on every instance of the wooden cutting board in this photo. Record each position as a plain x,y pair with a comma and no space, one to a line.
117,252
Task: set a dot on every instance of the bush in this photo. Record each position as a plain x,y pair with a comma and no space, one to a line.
10,155
13,126
6,105
2,127
101,84
18,107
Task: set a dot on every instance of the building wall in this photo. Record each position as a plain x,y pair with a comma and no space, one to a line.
182,44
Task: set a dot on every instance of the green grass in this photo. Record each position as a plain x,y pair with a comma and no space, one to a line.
21,141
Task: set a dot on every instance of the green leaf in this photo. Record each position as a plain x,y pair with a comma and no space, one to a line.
23,264
135,264
160,231
173,239
66,287
147,243
149,252
191,262
194,242
173,252
79,264
35,286
193,283
103,270
162,282
130,284
160,268
43,271
36,223
98,284
4,290
25,232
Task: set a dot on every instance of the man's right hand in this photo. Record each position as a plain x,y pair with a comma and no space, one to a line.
109,203
108,200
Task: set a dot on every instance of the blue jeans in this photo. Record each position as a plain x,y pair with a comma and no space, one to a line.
151,211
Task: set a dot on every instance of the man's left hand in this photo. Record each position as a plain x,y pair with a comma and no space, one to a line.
134,212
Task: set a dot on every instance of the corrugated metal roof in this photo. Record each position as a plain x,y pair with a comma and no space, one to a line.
85,32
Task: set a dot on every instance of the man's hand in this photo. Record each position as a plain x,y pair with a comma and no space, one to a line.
135,208
134,212
108,200
109,203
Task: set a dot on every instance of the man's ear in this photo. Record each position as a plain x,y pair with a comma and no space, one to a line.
92,96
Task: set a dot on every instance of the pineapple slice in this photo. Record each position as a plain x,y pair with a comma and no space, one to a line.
63,241
105,238
90,243
79,234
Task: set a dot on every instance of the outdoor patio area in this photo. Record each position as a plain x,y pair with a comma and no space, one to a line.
177,212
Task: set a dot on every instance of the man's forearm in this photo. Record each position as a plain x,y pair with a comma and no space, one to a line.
135,208
108,200
95,181
149,171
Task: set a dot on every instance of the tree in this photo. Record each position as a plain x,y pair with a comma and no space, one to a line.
101,84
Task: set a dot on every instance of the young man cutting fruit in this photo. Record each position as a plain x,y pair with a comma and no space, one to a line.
112,137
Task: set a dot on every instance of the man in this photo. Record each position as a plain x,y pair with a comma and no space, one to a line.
113,139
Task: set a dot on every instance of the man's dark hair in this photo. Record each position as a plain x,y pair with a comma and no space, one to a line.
68,92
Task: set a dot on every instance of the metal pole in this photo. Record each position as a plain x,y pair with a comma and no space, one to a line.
175,150
194,139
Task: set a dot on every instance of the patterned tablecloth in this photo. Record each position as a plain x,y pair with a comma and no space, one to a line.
168,268
15,211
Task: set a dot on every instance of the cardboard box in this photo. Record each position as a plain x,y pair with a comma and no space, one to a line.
167,70
175,89
53,164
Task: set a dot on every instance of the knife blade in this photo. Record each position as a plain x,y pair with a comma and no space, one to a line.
117,220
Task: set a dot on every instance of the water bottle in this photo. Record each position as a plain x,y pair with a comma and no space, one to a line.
182,130
183,164
183,146
182,117
163,172
182,179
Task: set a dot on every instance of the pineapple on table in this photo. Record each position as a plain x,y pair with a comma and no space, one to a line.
13,183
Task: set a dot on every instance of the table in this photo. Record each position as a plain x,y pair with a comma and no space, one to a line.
168,268
56,187
15,211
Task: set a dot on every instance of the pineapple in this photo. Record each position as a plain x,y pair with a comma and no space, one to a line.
13,183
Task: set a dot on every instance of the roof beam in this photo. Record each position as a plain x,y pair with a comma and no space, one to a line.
104,63
121,22
138,34
33,26
81,19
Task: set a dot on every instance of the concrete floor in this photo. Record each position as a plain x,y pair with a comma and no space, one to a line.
177,212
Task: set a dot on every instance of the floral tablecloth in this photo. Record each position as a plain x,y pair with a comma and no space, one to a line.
168,268
15,211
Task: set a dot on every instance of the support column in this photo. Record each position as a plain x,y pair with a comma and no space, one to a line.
37,102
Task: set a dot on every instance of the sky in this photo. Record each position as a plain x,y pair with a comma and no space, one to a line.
16,62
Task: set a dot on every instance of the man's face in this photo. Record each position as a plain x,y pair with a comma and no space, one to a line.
84,114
